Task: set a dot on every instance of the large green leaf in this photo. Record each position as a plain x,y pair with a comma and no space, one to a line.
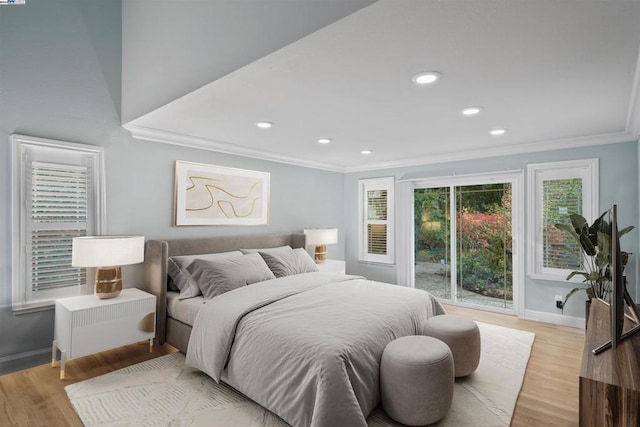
578,273
604,243
579,224
599,222
625,231
601,260
598,225
587,245
569,230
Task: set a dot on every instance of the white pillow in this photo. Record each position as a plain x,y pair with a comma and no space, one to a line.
177,270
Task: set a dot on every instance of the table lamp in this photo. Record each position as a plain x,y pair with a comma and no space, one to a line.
107,253
321,237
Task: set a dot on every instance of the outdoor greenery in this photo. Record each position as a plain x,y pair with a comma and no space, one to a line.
560,198
483,224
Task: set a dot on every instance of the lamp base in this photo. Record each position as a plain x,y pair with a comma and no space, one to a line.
321,254
108,282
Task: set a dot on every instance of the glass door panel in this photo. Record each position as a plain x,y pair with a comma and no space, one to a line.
483,245
432,240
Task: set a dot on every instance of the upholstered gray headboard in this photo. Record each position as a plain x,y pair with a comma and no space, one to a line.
158,251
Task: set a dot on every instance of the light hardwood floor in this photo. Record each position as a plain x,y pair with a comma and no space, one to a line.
549,396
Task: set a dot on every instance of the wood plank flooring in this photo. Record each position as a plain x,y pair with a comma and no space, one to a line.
549,396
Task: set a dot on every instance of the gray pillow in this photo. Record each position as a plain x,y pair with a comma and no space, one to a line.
172,286
287,263
177,271
217,277
279,249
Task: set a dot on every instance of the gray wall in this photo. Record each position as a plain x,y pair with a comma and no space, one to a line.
618,184
60,65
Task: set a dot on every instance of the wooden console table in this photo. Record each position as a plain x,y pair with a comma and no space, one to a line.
610,381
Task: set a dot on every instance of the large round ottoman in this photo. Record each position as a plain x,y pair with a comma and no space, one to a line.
463,338
416,380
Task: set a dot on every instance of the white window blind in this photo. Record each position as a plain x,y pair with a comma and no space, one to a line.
560,198
58,206
376,213
557,190
58,194
377,221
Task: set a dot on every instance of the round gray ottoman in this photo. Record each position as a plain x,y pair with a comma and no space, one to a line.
416,380
463,338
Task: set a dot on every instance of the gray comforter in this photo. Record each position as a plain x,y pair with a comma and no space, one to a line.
307,347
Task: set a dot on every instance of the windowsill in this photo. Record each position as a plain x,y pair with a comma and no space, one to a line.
377,263
554,278
34,307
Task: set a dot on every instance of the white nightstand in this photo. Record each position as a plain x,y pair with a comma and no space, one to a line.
87,325
332,266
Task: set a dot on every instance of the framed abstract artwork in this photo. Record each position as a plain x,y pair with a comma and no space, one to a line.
218,195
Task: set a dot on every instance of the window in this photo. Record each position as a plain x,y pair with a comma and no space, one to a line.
557,190
376,220
58,191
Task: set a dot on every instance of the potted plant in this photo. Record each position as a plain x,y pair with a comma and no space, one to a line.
594,240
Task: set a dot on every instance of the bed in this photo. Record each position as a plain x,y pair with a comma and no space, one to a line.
305,346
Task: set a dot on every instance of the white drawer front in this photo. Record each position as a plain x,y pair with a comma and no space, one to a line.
116,332
86,325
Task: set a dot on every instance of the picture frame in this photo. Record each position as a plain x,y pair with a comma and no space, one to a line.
219,195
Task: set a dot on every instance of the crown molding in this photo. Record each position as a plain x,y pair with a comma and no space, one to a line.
173,138
507,150
633,115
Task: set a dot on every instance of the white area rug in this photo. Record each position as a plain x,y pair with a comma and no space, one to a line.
164,392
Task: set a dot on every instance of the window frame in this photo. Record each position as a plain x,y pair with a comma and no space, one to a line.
585,169
26,149
369,184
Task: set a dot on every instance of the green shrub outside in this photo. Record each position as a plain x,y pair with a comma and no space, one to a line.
483,237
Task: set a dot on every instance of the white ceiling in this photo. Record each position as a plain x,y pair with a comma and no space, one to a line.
554,73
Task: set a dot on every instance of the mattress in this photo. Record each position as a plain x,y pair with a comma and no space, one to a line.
185,310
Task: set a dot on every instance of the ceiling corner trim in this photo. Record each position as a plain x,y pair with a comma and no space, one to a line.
172,138
633,115
532,147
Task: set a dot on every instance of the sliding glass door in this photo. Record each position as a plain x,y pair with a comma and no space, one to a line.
463,242
483,245
433,240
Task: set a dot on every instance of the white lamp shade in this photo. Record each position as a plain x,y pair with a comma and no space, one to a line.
107,251
321,236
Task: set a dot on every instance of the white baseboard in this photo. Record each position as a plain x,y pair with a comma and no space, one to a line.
13,357
558,319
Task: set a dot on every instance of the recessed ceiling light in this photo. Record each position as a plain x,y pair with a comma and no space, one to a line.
324,140
426,77
497,132
264,125
470,111
366,151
